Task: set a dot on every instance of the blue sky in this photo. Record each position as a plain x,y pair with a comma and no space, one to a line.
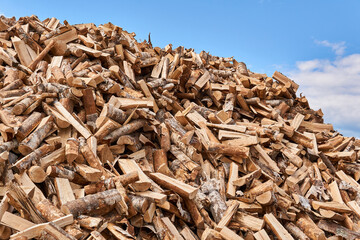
314,42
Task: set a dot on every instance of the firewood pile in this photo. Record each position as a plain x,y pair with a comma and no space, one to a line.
105,137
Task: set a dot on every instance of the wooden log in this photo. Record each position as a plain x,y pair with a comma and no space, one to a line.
140,204
20,107
283,79
261,235
334,206
128,166
15,222
189,150
181,188
60,121
58,74
53,231
164,137
217,204
90,223
125,130
233,175
276,227
70,118
61,172
31,142
8,146
354,207
195,213
36,230
114,113
172,229
247,178
160,162
108,127
266,198
185,160
295,231
97,236
89,155
53,158
64,190
311,230
34,156
59,48
49,211
88,173
261,188
229,150
200,83
249,222
338,230
99,203
265,157
228,215
41,55
228,234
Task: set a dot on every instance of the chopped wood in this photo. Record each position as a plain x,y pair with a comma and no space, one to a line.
177,186
137,141
276,226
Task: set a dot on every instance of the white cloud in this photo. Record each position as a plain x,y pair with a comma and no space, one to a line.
337,48
333,86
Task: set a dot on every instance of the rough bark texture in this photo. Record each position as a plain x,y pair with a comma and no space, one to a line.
99,203
30,143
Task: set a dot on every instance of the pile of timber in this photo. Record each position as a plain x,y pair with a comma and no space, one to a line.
104,137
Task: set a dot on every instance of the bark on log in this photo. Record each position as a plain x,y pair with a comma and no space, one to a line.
296,232
30,143
109,183
114,113
311,230
125,130
37,174
99,203
61,172
34,156
29,125
48,210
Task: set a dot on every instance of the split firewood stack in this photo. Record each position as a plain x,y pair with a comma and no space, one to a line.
105,137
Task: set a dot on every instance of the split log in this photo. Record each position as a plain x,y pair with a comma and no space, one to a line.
31,142
109,183
229,150
296,232
276,226
306,224
181,188
338,230
41,55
